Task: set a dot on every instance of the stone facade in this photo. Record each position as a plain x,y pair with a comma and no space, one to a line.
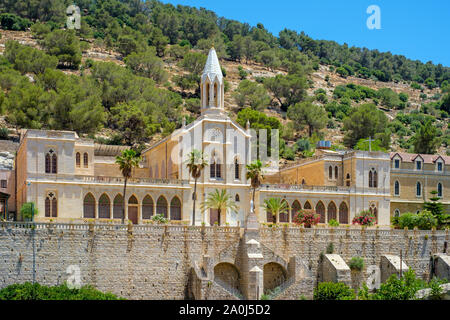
178,262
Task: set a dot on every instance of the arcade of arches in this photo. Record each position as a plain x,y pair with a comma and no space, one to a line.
145,209
326,211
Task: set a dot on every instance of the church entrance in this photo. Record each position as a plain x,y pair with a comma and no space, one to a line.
133,214
213,216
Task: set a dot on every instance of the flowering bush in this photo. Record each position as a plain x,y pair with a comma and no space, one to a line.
307,217
365,218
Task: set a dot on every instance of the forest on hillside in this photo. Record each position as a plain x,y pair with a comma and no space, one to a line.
141,99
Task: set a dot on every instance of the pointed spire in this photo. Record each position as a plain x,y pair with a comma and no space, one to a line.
247,125
212,66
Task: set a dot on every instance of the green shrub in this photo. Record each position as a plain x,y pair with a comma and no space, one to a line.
333,291
4,133
28,210
333,223
29,291
424,220
160,218
330,248
356,263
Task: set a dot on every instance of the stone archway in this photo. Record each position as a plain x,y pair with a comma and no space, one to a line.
227,275
274,276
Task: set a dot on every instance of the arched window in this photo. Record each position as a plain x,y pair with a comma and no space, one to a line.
85,160
47,163
118,207
89,206
336,172
175,209
320,209
396,188
330,172
439,190
418,189
216,95
161,206
373,178
296,207
78,159
215,168
236,198
347,180
332,211
236,169
343,213
163,170
303,181
104,207
397,213
51,161
147,207
54,163
51,205
307,206
284,217
207,93
151,172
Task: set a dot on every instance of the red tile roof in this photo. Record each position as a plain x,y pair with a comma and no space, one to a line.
427,158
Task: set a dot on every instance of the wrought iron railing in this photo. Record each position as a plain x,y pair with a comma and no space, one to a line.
235,292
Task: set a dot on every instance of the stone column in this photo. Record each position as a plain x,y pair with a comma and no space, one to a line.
255,283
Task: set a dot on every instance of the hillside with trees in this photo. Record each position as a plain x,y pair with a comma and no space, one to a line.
131,73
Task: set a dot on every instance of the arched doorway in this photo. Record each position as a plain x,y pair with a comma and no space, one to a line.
274,276
227,275
332,211
320,209
133,209
213,216
343,213
89,206
104,211
175,209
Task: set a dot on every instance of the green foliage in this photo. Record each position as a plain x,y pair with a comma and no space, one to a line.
333,223
436,208
242,73
159,218
28,210
330,248
10,21
147,64
308,114
250,94
396,288
28,60
29,291
364,218
276,206
375,145
424,220
65,45
333,291
288,90
366,121
425,140
4,133
356,263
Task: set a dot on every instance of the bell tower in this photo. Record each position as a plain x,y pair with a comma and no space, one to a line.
212,87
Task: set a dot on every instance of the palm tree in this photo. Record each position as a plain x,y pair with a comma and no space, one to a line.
220,200
196,162
127,161
254,173
276,206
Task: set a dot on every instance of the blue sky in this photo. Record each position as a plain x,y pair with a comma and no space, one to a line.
416,29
